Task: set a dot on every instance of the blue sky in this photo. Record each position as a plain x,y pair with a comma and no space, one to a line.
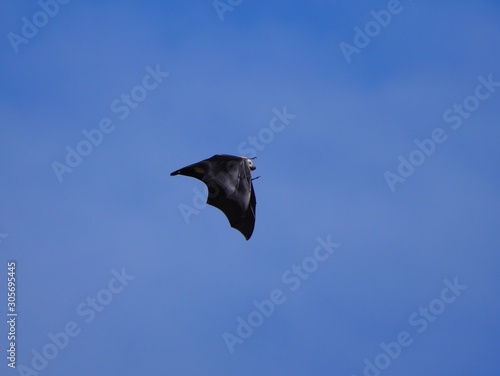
105,256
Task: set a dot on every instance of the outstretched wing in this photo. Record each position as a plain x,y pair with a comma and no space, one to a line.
230,188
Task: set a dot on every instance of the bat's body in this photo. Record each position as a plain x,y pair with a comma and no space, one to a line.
230,188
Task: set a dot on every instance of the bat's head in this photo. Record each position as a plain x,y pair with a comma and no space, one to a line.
249,163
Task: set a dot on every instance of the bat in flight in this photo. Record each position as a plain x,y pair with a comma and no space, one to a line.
230,188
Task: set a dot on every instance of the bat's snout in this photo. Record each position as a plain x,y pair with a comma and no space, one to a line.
250,163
